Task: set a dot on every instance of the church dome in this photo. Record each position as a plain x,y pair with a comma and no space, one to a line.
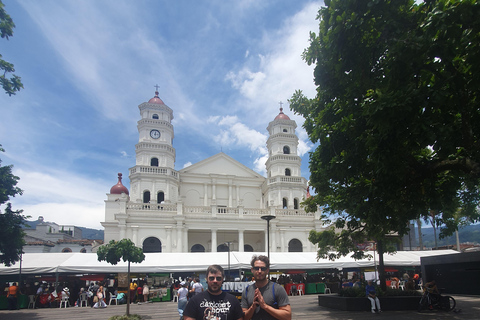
282,116
119,188
156,99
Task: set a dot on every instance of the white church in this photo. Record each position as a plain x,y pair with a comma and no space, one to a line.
215,205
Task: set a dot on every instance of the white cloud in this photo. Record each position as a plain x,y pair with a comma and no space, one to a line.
188,164
61,197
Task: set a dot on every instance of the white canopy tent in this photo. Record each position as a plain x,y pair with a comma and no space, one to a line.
42,263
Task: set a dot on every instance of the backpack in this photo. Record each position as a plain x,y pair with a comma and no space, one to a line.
275,303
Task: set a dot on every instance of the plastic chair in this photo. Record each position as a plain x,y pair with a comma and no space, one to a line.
293,290
31,301
175,296
393,285
300,290
327,289
113,297
83,299
401,285
64,302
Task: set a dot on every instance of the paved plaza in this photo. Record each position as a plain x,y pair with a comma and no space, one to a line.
303,307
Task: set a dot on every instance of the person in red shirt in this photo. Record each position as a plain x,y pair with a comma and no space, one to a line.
12,296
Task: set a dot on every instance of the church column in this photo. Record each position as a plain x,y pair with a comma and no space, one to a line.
237,187
134,235
273,233
169,238
230,196
185,247
282,240
214,191
205,195
241,243
122,231
214,240
290,200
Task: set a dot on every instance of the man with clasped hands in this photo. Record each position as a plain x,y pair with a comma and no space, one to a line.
265,299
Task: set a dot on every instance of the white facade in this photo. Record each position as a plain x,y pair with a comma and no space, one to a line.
213,202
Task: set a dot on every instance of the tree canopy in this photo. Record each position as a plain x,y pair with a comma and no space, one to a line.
14,83
125,250
11,237
396,117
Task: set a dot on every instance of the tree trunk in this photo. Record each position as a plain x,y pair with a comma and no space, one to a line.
128,289
434,233
381,266
420,237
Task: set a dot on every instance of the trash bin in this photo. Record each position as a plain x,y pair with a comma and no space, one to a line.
310,288
321,287
166,297
22,301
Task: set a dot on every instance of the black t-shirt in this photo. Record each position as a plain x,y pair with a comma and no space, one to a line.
206,306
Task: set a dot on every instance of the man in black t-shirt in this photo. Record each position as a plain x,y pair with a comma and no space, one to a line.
213,304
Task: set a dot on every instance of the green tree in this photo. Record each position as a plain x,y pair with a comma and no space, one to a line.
11,237
124,249
13,84
396,118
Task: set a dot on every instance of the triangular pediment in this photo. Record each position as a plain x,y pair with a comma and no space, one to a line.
221,164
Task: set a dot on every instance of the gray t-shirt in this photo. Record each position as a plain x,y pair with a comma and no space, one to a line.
280,300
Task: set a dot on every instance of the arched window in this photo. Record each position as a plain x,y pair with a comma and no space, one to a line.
160,197
152,244
197,248
222,248
287,172
285,130
154,162
146,197
247,248
286,150
285,203
66,250
295,245
155,116
295,203
83,250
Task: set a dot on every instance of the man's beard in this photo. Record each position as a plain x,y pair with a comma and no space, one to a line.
214,291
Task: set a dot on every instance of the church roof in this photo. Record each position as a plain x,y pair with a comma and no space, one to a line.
156,99
119,188
282,116
221,164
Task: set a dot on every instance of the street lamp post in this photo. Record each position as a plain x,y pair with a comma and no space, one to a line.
268,218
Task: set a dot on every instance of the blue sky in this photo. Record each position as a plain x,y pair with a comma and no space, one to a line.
222,66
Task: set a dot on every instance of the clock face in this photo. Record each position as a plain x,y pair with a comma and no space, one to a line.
155,134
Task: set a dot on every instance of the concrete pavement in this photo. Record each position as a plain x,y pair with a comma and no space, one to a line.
303,307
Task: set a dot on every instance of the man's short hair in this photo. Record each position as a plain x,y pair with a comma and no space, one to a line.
215,268
262,258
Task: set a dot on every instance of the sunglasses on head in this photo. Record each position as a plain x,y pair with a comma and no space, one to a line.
260,268
215,278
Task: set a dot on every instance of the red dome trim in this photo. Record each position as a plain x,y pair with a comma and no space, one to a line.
119,188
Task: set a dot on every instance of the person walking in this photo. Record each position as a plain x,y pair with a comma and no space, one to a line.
182,298
265,299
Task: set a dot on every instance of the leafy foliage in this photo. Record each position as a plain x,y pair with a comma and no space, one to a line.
11,237
124,250
13,84
396,117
